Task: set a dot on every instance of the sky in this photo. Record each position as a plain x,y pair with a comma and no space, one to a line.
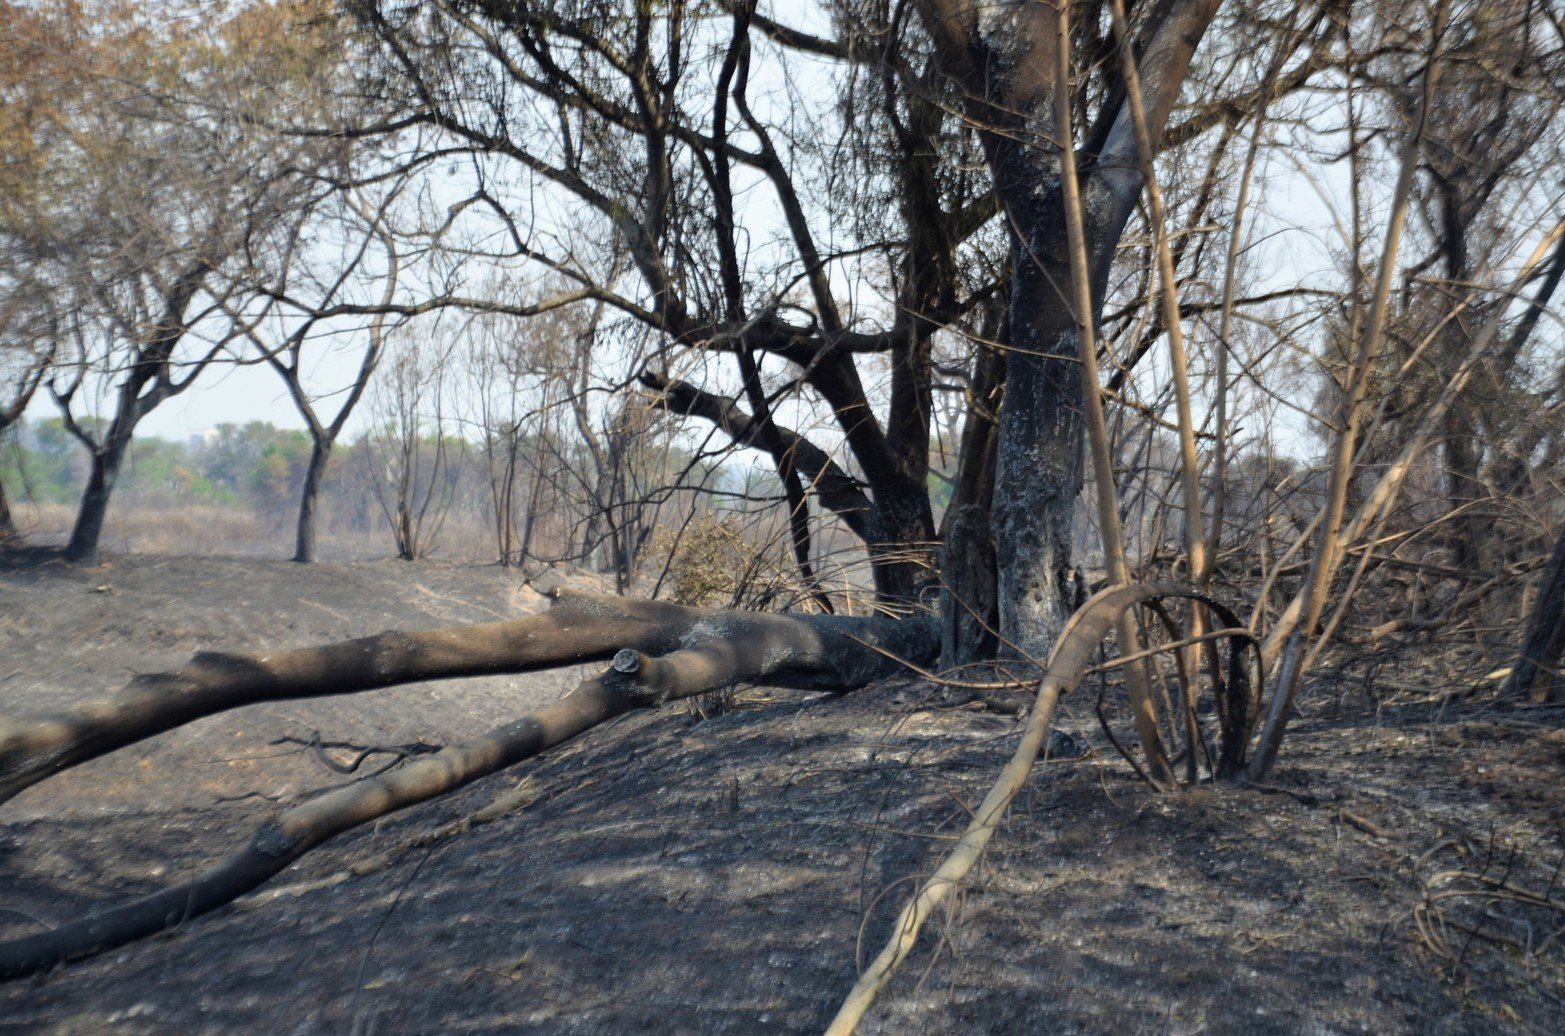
1292,247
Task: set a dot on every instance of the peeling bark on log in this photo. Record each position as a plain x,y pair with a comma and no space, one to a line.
712,650
578,628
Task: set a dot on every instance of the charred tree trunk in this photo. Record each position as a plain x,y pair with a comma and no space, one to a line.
90,516
304,550
1537,669
7,523
1462,481
1039,451
902,528
1038,460
1002,55
969,613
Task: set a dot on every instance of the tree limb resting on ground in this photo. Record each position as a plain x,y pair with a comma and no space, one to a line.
577,628
701,650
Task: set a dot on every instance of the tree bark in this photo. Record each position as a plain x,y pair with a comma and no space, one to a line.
1039,460
90,516
969,617
1462,481
1536,672
1038,463
1001,54
7,522
902,530
304,550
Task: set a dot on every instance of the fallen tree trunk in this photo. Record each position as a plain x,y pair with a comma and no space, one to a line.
577,628
712,650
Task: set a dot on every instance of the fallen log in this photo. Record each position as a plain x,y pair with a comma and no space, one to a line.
712,650
577,628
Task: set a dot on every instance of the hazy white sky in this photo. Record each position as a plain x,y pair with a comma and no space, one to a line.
1292,230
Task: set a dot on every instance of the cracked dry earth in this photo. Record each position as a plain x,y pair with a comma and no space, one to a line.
673,873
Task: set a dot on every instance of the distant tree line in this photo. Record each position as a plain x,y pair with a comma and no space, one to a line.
391,486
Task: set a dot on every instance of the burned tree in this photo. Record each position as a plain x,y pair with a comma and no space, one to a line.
623,148
633,128
1011,82
1006,62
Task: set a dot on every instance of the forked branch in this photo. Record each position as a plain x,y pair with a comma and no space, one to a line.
578,628
707,650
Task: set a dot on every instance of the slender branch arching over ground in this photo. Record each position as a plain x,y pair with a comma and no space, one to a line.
1067,666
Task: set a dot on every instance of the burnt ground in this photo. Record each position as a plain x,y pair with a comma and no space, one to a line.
673,873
